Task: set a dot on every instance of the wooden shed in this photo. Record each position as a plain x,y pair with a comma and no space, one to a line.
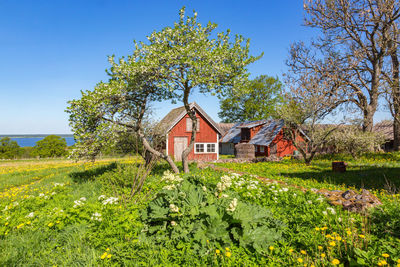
266,136
177,127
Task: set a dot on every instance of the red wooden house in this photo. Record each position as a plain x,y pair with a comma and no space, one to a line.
266,135
178,130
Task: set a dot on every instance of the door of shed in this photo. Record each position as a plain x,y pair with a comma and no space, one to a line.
180,143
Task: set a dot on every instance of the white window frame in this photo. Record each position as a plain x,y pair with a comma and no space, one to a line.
205,148
262,149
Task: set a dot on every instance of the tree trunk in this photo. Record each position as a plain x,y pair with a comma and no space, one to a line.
368,119
395,99
167,158
187,150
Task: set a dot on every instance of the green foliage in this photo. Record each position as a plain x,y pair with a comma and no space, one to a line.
255,102
80,215
188,211
51,146
9,149
351,139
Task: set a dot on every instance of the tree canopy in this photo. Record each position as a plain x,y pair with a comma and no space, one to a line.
9,149
255,102
169,66
51,146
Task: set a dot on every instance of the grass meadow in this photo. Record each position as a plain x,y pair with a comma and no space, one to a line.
63,213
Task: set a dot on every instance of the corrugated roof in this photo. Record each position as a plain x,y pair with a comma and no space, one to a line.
233,135
251,124
175,115
267,133
263,138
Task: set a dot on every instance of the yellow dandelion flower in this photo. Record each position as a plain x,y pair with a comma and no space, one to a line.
338,238
227,249
398,261
300,260
332,243
28,222
108,256
335,262
228,254
108,249
382,263
290,251
20,225
217,251
317,229
271,248
50,224
323,255
303,252
103,256
320,247
385,255
349,232
361,236
328,236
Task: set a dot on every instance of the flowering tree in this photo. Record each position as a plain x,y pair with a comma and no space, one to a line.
174,62
187,57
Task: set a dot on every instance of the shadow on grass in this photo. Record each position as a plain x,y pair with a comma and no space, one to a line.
89,175
359,177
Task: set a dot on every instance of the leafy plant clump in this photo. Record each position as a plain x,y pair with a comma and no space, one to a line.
186,211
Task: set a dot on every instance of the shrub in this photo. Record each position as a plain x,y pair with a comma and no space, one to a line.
187,211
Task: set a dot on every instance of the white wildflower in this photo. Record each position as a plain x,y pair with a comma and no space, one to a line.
284,189
325,213
169,187
82,199
224,195
41,195
204,188
173,223
110,200
101,197
171,177
232,205
309,202
173,208
332,210
30,215
78,203
96,217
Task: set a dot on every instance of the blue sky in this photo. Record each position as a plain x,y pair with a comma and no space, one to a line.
51,50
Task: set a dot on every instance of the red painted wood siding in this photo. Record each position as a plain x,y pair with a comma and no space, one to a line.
284,147
207,134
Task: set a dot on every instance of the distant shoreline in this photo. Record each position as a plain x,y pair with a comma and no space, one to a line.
33,135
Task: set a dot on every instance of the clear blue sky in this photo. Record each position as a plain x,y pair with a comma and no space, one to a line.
50,50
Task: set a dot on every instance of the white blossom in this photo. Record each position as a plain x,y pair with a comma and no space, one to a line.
173,208
232,205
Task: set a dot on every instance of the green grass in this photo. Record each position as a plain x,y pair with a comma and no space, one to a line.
72,238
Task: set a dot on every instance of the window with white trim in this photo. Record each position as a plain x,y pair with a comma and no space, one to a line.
205,148
262,149
189,125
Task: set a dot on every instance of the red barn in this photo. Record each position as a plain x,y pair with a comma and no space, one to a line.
178,128
266,135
